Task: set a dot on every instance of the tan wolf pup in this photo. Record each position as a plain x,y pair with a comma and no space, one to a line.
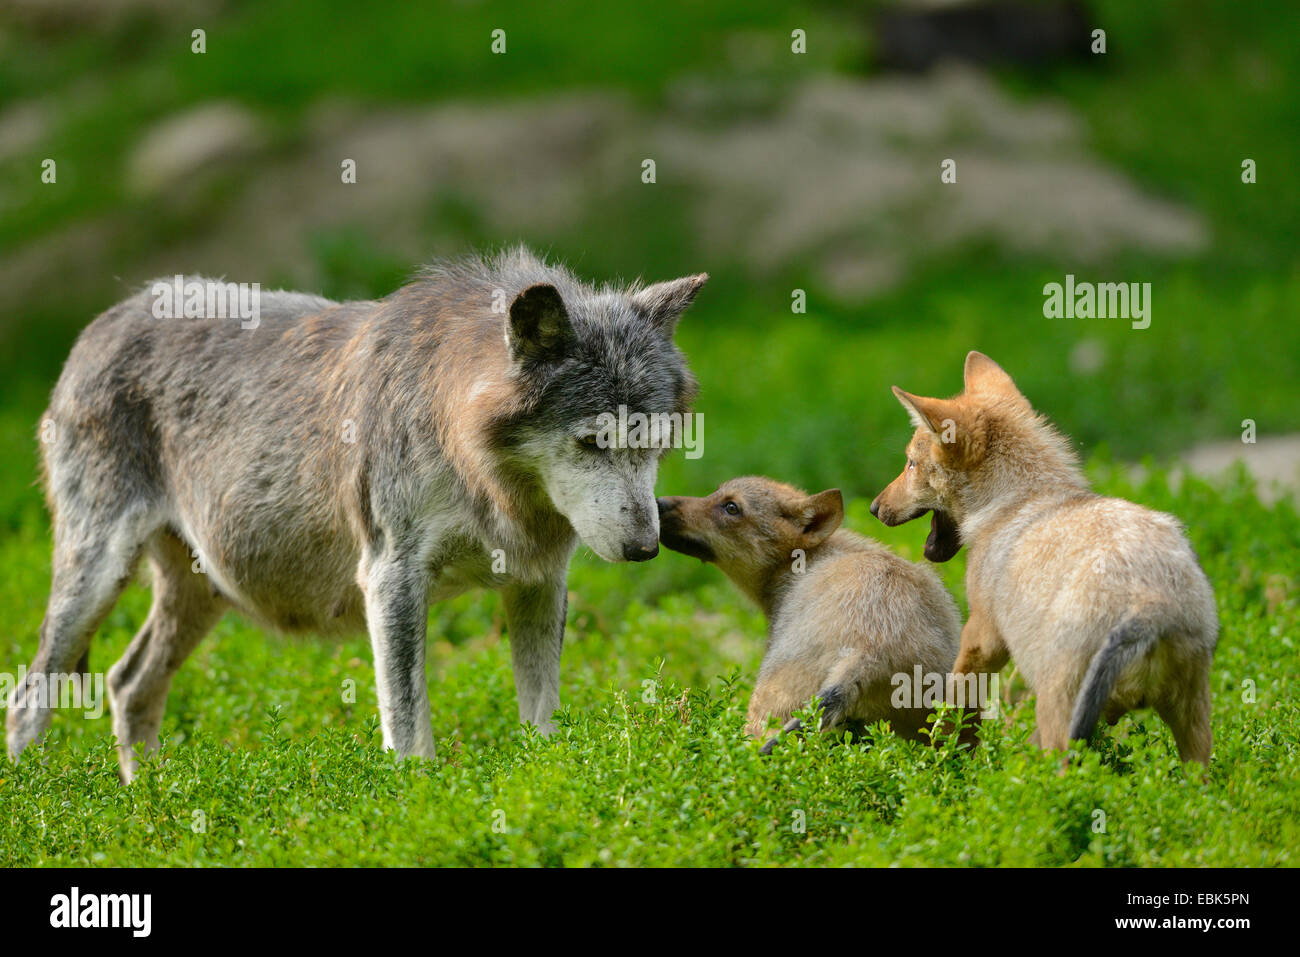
845,614
1101,602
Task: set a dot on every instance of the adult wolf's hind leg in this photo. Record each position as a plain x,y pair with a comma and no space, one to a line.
94,556
184,610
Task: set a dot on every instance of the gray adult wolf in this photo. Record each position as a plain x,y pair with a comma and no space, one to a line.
340,466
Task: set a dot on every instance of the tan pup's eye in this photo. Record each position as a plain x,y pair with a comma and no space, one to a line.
731,508
911,464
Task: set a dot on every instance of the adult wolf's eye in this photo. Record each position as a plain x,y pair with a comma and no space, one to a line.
731,508
589,441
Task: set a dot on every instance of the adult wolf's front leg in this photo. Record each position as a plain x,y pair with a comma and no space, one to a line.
397,613
535,618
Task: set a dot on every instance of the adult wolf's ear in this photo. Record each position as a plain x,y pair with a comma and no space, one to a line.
539,327
821,515
983,376
664,302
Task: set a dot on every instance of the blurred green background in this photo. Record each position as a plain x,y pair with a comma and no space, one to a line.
775,171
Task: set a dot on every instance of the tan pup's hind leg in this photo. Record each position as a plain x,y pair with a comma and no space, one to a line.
1188,716
1052,714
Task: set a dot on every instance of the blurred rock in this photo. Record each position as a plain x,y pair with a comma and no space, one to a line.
22,127
847,170
184,146
833,175
1274,461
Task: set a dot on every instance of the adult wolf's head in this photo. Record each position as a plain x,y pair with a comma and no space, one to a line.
971,453
606,394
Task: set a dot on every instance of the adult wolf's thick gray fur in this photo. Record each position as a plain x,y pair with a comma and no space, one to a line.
343,465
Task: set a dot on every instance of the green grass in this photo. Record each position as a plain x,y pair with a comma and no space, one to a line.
649,766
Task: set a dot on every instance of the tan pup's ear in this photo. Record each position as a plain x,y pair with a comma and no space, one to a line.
821,514
926,413
986,377
958,429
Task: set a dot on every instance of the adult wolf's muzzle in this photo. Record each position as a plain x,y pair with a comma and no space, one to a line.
638,552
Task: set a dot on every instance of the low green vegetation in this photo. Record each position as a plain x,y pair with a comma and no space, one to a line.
268,762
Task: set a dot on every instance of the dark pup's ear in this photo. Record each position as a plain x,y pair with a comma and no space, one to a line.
539,327
664,302
821,514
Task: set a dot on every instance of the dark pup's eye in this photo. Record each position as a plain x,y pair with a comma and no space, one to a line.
731,508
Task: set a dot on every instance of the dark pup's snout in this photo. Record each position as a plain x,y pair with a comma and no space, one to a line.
671,521
673,530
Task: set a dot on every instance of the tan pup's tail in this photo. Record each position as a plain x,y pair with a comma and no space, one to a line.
1124,645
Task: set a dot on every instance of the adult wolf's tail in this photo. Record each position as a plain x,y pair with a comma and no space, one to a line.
1129,640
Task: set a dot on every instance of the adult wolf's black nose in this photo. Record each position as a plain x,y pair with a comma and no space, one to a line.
634,552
